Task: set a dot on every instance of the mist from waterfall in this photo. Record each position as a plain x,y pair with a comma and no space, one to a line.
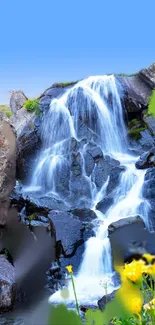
95,102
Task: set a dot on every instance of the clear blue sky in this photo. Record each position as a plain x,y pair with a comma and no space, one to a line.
46,41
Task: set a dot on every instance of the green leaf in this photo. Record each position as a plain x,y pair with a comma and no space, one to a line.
60,315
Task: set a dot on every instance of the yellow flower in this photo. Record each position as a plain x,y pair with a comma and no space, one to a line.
149,269
136,305
149,257
150,305
134,270
69,268
131,297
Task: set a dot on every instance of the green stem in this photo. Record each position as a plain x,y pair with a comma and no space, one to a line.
77,305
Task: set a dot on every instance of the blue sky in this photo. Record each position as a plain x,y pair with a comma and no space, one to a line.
42,42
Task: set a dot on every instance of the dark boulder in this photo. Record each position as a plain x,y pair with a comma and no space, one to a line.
28,146
124,222
135,95
105,204
130,239
55,91
71,233
105,167
146,160
149,184
105,299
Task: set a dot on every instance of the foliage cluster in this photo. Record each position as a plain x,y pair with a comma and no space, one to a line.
6,110
32,105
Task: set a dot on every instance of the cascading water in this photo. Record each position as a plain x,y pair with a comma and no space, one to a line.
96,103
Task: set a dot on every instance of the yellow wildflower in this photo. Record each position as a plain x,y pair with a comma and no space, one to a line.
131,297
150,305
134,270
136,305
69,268
149,257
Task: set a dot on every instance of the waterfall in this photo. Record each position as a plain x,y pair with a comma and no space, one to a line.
96,103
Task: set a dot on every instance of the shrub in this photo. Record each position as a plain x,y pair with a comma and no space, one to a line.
135,133
6,110
151,107
32,105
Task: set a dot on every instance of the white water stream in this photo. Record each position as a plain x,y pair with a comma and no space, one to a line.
97,101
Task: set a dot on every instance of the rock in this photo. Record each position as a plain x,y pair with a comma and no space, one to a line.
135,94
146,160
105,204
28,146
85,215
68,230
149,184
150,122
17,100
148,76
124,222
71,233
53,92
105,299
23,121
7,284
7,166
129,240
105,167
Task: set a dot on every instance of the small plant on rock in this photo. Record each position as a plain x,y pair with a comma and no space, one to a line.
32,105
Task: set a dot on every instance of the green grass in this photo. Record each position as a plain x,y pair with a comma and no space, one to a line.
64,84
135,133
32,105
6,110
127,74
32,217
151,107
133,122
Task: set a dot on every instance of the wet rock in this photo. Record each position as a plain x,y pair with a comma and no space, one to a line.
135,94
150,122
7,284
105,299
80,189
146,160
124,222
28,146
149,184
85,215
104,168
131,239
53,92
71,233
17,100
105,204
95,151
68,230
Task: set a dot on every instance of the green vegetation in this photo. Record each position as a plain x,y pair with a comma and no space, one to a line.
6,110
32,105
133,123
151,107
64,84
32,217
135,133
127,74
